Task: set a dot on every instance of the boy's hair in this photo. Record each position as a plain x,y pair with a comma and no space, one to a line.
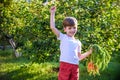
70,21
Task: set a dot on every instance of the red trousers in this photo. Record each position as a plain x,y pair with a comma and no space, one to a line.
68,71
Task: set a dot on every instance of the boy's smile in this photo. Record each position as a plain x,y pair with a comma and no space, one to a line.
70,30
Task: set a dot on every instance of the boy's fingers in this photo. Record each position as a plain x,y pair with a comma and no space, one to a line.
91,49
53,8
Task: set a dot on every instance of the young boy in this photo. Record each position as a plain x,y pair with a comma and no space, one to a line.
70,47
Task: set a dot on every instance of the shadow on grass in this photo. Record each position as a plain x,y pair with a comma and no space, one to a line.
113,71
6,53
12,59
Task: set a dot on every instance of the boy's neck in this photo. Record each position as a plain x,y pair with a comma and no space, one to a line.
73,37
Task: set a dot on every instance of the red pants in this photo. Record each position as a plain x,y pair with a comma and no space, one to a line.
68,71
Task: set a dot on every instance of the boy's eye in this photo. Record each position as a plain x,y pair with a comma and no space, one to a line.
74,27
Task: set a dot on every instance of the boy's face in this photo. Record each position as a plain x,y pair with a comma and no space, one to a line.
70,30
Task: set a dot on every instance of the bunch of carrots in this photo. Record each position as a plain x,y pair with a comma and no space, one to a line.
98,60
92,68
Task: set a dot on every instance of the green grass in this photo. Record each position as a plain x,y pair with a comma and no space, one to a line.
21,68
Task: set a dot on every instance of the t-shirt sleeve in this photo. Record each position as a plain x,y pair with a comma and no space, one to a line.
79,46
61,36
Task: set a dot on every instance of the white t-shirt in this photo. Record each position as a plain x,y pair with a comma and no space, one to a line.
69,49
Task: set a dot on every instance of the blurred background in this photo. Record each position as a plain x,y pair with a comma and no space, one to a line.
30,51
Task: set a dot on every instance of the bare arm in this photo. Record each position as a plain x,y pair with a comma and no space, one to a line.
52,21
84,55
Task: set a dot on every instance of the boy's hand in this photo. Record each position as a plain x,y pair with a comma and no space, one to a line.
53,9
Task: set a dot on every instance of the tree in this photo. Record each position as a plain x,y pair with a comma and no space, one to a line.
28,22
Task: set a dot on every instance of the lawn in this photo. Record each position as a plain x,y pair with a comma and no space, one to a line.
21,68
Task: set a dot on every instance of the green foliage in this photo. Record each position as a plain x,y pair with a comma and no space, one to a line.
28,22
6,3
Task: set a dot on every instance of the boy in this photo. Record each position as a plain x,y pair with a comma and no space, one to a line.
70,47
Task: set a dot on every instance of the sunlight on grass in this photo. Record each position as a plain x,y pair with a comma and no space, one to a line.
44,71
19,69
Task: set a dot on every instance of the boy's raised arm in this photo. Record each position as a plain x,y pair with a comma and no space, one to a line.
52,21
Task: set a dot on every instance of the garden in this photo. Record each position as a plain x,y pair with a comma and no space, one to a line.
30,51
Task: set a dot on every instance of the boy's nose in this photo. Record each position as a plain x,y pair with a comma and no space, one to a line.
73,29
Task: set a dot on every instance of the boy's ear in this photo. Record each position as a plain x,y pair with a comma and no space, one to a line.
64,29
